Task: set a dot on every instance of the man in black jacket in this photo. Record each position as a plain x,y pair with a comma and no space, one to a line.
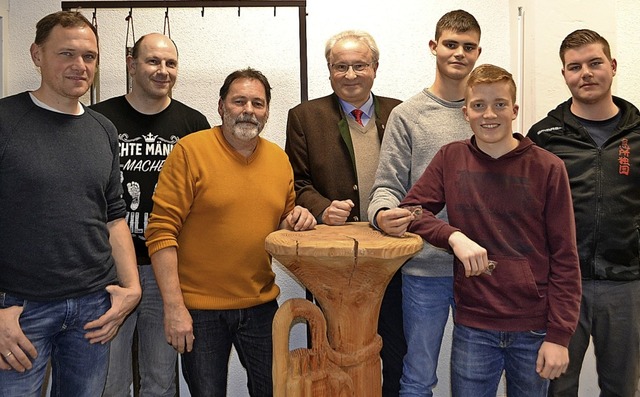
597,136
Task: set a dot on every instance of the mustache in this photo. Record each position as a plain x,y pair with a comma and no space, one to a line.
247,118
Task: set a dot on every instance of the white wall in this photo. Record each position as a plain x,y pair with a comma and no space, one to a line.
212,46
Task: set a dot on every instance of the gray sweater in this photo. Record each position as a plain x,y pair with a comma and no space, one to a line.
416,130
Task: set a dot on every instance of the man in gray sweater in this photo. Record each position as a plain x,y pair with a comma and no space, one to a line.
416,130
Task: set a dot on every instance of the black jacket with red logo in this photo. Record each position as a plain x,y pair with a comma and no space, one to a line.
605,186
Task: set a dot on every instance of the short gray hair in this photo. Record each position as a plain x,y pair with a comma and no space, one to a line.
357,35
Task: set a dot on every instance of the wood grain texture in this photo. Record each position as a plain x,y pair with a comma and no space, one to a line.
347,268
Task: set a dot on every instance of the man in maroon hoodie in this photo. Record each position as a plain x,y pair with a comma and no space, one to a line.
511,227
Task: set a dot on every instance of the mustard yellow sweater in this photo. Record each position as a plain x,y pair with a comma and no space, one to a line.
217,207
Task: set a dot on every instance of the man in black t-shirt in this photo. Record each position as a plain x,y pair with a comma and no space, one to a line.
149,124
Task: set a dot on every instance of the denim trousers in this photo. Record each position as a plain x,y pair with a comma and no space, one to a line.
156,358
610,317
426,302
478,358
55,328
205,368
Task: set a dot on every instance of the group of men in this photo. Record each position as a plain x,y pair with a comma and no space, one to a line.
534,254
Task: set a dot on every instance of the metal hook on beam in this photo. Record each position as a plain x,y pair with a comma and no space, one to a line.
167,24
94,91
129,20
128,51
94,18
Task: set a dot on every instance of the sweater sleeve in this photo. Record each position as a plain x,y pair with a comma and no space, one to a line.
393,176
564,267
291,199
116,206
429,193
172,201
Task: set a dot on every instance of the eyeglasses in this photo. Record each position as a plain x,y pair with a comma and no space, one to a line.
344,68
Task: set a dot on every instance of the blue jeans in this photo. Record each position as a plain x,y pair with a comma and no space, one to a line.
478,358
425,306
156,358
205,368
56,330
609,316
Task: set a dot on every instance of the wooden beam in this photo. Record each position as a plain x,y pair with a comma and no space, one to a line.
68,5
302,18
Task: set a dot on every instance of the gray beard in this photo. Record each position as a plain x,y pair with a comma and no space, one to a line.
246,132
243,131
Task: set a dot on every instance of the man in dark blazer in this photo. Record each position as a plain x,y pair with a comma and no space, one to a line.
333,145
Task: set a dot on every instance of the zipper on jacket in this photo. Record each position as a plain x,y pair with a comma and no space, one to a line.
596,213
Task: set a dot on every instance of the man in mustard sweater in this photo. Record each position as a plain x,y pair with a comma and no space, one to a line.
220,193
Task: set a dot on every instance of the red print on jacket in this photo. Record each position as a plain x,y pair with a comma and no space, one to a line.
623,157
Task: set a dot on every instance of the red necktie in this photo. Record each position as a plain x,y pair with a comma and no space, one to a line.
357,113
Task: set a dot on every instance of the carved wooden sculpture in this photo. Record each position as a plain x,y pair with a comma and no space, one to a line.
347,268
306,372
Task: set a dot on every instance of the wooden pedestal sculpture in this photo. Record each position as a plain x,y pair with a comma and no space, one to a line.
306,372
347,268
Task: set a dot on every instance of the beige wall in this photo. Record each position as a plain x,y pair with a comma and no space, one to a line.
546,23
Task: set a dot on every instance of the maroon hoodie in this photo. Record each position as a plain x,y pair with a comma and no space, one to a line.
518,207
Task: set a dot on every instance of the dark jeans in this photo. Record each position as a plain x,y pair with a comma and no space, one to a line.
394,345
205,368
610,316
